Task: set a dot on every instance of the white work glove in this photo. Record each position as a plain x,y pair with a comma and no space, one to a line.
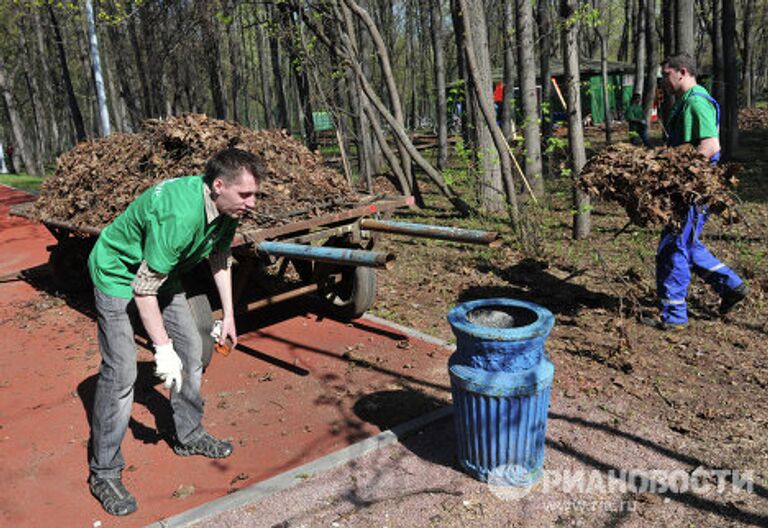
168,365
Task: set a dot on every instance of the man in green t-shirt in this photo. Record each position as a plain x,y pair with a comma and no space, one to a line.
694,119
136,267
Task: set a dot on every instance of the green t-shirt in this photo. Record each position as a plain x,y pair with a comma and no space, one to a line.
166,226
693,118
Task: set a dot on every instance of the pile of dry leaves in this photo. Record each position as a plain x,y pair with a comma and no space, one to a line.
657,186
96,180
753,118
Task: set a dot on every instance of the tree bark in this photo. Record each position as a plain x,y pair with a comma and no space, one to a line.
652,46
545,37
485,107
507,111
38,127
53,126
639,48
212,60
98,79
74,107
526,65
730,110
602,35
684,30
748,52
274,48
441,116
581,215
22,145
392,90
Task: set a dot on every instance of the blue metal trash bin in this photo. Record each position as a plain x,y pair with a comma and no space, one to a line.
500,380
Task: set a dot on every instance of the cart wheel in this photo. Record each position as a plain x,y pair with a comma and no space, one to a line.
200,307
351,297
68,263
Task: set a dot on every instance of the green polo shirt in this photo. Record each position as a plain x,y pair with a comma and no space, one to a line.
694,118
166,226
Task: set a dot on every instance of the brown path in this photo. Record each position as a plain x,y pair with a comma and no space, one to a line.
299,388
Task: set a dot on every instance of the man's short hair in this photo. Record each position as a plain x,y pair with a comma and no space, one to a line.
228,164
680,61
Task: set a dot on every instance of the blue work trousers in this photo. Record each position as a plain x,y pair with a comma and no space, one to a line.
678,253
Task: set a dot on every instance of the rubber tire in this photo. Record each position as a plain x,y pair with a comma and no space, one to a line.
200,307
353,296
68,263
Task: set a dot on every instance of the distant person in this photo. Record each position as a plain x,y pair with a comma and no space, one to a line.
3,167
638,126
694,119
136,266
11,164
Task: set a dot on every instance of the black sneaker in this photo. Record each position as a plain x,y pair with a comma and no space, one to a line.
205,445
733,297
112,495
661,325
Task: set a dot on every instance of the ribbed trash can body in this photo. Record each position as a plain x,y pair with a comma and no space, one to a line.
501,380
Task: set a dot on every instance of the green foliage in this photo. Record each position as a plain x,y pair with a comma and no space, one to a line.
555,144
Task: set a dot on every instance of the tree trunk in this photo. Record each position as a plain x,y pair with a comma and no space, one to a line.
74,108
581,216
266,88
463,94
748,52
392,90
488,195
601,33
652,46
526,66
212,61
274,48
730,110
22,146
441,115
507,111
684,30
146,93
294,45
639,48
101,95
545,37
490,189
38,127
126,88
53,126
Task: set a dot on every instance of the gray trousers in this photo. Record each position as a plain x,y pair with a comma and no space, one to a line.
117,374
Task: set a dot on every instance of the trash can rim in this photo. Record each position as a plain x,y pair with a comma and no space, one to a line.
494,383
458,318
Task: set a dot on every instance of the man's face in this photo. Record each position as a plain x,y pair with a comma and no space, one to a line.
672,79
234,199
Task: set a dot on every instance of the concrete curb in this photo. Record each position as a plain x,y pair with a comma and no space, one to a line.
297,475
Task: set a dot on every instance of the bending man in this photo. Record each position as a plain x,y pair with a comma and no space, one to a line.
136,267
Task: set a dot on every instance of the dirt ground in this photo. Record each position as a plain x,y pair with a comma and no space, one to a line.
699,395
625,397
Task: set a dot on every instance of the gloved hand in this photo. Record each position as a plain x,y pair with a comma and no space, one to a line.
168,365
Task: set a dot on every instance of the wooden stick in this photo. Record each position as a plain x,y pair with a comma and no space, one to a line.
344,161
559,93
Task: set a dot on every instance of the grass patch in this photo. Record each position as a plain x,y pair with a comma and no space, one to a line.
23,182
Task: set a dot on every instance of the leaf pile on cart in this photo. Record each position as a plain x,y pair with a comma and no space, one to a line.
753,118
96,180
657,186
